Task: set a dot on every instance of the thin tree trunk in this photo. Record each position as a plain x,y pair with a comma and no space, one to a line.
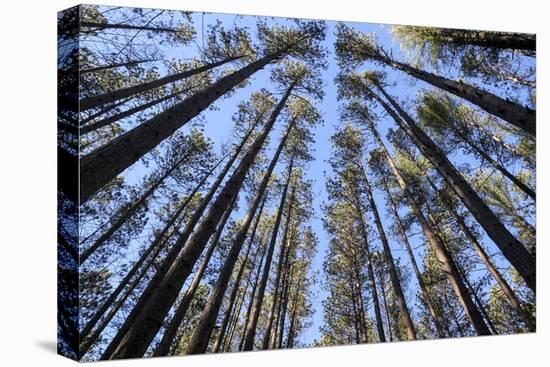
370,271
447,263
201,337
164,346
513,250
282,317
159,244
396,283
444,239
109,97
355,315
361,301
487,39
526,189
290,336
385,302
252,295
131,209
105,163
129,112
436,318
479,303
234,292
159,239
517,115
233,328
105,67
259,297
103,111
284,246
503,284
127,26
150,318
175,250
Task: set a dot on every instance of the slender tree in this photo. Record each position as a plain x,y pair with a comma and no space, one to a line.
104,163
512,249
354,48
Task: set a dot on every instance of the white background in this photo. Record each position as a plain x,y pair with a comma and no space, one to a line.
28,174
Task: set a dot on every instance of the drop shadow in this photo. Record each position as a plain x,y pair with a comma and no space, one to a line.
47,345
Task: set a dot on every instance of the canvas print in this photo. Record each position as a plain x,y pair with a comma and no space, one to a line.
234,183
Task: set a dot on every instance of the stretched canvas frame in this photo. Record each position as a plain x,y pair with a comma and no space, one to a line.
235,183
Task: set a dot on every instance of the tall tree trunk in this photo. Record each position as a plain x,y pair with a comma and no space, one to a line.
513,250
259,297
129,112
487,39
105,67
253,294
102,111
385,302
286,295
445,240
236,286
158,238
127,26
290,336
396,283
158,245
436,318
201,337
530,161
164,346
370,271
354,313
284,248
150,318
517,115
109,97
503,284
105,163
361,302
447,263
132,208
228,340
176,249
522,186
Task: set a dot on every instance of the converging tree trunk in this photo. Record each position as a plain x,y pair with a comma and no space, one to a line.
445,259
109,97
370,271
237,283
129,210
513,250
155,248
259,297
517,115
282,255
105,163
149,319
396,283
503,284
164,346
129,112
436,318
178,245
253,292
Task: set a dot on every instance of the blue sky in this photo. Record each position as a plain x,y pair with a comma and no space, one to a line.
218,127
